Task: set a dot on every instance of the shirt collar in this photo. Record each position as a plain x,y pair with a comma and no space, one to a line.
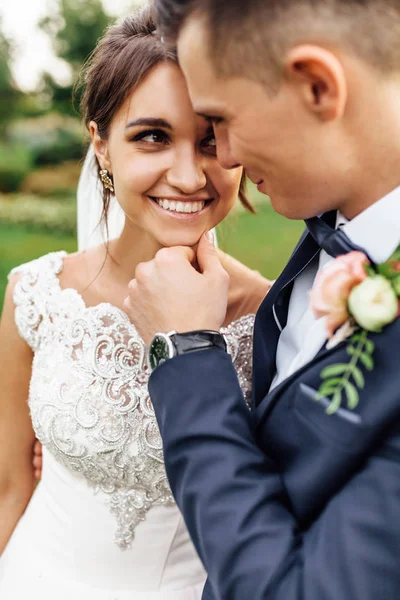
377,228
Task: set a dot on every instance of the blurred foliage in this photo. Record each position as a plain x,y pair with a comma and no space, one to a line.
51,139
57,216
53,181
15,164
9,94
33,104
41,128
74,30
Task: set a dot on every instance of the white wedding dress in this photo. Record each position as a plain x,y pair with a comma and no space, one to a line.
102,523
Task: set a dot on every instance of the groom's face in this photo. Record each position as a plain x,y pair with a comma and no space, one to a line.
281,145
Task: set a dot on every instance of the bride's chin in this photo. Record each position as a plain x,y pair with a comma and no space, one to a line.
189,240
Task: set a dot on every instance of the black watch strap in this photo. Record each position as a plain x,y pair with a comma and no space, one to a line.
194,341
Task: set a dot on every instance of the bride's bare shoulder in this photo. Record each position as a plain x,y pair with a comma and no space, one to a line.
80,267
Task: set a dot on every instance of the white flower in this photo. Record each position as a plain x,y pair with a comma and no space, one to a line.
373,303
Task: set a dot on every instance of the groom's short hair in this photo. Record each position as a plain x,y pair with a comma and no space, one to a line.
251,36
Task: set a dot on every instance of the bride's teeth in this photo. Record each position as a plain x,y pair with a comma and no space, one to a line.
163,203
181,207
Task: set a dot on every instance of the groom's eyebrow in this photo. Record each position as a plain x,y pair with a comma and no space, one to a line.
213,119
149,122
208,118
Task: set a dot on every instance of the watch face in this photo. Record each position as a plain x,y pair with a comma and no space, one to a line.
160,351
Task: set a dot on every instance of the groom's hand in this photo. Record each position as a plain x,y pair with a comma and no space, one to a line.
169,293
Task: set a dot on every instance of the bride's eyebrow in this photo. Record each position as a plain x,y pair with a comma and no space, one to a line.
149,122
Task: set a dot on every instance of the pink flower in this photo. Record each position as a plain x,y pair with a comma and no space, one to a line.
395,265
332,288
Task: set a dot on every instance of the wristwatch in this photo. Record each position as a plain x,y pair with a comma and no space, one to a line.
167,345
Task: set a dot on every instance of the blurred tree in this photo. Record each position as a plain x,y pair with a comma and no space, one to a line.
74,30
9,93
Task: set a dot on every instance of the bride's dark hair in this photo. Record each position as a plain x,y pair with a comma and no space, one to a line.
122,58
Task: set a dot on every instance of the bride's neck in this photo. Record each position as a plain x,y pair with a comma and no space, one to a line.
133,246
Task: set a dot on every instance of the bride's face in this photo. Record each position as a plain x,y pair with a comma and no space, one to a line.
162,157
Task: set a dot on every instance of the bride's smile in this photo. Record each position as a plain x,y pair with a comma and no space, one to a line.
186,209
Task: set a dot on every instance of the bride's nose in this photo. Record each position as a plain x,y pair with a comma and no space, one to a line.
187,173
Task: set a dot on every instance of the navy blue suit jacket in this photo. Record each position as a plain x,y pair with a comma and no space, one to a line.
286,502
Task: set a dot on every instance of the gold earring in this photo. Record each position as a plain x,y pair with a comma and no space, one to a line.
106,180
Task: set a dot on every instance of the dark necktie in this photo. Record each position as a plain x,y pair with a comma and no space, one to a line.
334,241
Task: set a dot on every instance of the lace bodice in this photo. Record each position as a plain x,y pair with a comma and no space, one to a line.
88,397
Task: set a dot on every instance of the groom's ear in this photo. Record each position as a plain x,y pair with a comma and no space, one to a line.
100,147
320,80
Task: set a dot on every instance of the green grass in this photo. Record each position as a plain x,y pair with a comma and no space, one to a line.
19,245
263,242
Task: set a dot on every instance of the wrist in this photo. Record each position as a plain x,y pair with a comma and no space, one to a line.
168,345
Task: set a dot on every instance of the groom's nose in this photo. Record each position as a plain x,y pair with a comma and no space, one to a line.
224,154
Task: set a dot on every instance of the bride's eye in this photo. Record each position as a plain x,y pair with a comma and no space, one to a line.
154,136
209,145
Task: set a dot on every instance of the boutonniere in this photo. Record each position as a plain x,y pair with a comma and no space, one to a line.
355,298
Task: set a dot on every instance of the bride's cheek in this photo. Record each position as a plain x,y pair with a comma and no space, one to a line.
227,187
133,185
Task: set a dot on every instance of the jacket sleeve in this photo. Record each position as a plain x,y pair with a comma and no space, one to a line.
236,508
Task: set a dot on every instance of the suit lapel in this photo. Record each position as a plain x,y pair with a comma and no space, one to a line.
264,408
272,316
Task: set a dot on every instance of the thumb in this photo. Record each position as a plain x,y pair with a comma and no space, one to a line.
188,253
207,256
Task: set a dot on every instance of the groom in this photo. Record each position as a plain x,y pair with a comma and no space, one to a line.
298,499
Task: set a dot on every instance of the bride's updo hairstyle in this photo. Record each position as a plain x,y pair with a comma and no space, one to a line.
121,60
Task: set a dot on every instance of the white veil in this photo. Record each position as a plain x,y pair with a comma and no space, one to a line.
90,205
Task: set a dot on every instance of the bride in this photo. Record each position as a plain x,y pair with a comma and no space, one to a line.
102,523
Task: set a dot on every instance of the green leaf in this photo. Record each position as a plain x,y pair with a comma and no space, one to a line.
396,284
389,269
333,370
367,361
369,345
396,255
384,270
328,387
358,376
370,271
356,337
335,404
352,394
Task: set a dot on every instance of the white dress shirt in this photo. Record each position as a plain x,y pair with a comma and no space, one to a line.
377,230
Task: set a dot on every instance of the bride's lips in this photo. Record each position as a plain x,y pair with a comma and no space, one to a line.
181,216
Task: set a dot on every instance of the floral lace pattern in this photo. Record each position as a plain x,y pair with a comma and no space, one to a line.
88,394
